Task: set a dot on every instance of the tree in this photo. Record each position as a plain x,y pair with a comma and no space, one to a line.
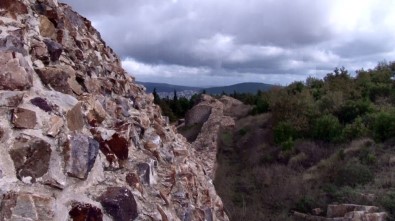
175,97
327,128
156,97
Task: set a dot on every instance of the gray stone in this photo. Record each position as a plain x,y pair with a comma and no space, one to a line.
12,43
24,118
80,155
146,172
31,157
54,49
119,202
10,98
26,206
197,115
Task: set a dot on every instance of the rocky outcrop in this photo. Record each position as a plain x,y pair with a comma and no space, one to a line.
214,115
346,212
79,140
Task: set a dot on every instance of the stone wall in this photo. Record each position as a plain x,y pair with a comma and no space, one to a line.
79,140
345,212
223,113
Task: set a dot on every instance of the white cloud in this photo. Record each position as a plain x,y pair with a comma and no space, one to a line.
221,41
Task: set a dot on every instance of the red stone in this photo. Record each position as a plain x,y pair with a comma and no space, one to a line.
119,202
85,212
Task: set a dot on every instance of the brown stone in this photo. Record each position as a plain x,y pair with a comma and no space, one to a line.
80,155
24,118
39,50
57,78
119,203
151,146
13,7
54,126
43,206
75,86
31,157
47,28
10,98
75,120
97,114
85,212
14,73
132,179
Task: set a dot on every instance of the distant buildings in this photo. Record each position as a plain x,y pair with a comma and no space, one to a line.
187,94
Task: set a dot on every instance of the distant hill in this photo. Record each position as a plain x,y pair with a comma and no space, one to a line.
248,87
162,87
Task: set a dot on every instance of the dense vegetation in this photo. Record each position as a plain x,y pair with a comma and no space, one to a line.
320,141
176,107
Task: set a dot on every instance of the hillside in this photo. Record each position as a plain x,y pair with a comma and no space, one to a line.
248,87
323,151
169,88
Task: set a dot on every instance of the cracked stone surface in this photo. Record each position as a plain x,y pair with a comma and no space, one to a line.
80,140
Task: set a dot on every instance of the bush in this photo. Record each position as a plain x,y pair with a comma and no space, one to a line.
327,128
357,129
305,205
352,109
261,106
288,145
353,174
388,202
384,126
283,132
242,131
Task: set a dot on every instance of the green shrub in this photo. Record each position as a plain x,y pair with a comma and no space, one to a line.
226,138
288,145
283,132
343,194
384,126
367,156
261,106
352,109
327,128
354,130
353,174
388,202
242,131
304,205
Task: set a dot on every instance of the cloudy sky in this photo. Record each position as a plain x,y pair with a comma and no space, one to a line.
222,42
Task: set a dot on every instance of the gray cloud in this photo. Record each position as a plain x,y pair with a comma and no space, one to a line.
234,41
